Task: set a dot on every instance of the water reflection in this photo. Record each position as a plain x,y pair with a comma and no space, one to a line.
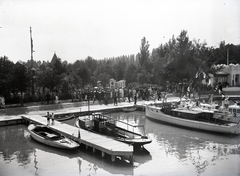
200,148
14,141
173,150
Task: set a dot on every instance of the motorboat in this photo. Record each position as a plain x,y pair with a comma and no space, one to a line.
48,136
117,129
201,119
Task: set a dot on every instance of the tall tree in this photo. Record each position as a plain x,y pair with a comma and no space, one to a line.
144,52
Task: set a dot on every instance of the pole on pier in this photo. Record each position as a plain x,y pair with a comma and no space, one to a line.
113,158
103,154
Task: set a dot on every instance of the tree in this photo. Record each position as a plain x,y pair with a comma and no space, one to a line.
6,76
21,78
144,52
131,74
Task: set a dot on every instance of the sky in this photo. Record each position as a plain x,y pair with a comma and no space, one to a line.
76,29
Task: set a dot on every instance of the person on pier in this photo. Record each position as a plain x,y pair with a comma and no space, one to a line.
48,118
52,118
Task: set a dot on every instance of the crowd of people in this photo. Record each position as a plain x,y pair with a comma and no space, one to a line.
117,95
98,94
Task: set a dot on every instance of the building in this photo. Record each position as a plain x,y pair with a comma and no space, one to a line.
228,74
117,84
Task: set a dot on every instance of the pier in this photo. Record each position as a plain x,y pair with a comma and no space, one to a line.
104,144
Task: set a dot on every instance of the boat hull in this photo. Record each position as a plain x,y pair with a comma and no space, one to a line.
155,113
129,109
64,143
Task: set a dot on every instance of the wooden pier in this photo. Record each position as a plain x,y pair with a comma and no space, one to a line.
104,144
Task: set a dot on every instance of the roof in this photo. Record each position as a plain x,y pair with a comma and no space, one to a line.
221,73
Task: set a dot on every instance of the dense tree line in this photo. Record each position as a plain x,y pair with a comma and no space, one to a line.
171,63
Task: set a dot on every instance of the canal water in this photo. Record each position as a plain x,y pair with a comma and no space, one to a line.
173,151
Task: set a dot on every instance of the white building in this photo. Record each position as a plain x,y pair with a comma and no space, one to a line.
117,84
229,73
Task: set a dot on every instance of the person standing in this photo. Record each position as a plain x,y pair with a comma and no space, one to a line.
115,97
52,118
129,96
135,98
48,118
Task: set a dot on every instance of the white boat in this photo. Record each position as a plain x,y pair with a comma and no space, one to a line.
46,135
192,119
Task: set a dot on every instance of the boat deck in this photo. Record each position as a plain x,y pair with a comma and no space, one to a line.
98,142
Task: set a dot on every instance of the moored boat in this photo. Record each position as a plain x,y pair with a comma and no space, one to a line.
119,130
46,135
129,109
190,118
64,117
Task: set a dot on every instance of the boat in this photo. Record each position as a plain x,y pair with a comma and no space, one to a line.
64,117
46,135
210,120
119,130
129,109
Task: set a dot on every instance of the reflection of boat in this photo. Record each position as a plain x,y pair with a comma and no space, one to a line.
109,126
191,119
129,109
46,135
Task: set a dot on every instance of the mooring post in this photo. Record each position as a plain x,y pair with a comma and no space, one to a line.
131,159
113,158
103,154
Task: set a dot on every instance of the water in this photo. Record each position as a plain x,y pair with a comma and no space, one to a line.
173,151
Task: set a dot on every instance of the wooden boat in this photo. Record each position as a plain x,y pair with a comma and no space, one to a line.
64,117
189,118
129,109
111,127
46,135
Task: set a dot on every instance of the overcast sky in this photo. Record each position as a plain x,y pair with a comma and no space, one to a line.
76,29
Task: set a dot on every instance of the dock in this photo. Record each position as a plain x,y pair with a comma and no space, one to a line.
104,144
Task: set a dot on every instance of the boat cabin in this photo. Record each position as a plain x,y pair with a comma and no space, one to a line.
235,111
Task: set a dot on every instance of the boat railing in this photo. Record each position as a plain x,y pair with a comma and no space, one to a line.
134,126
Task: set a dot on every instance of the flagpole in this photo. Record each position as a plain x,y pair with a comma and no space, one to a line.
31,47
32,70
227,56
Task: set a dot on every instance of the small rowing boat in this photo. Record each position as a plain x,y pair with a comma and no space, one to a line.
46,135
129,109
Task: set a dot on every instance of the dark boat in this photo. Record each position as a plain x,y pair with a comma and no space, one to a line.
129,109
64,117
111,127
46,135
